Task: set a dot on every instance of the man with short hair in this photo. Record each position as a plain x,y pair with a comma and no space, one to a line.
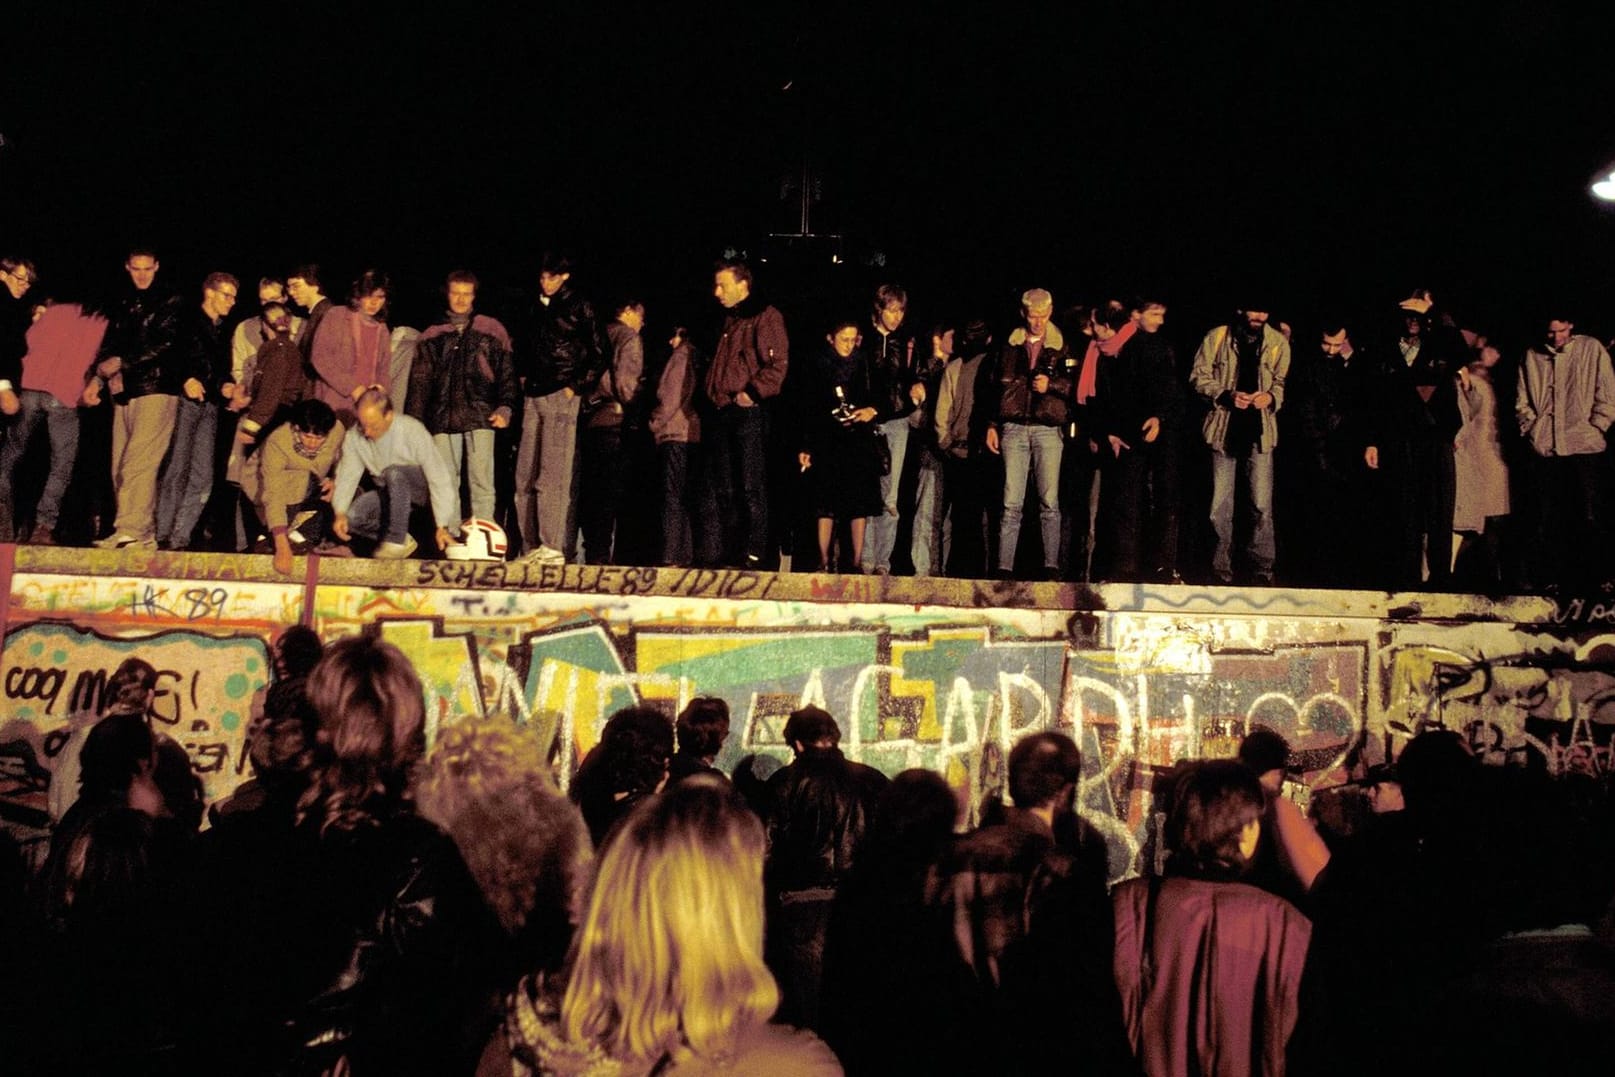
607,415
303,285
1032,922
560,358
136,365
819,808
1028,405
900,386
1240,369
406,471
463,388
1565,404
1136,404
747,368
16,315
288,477
186,481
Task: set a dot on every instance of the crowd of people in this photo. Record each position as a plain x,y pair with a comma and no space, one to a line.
361,906
1415,453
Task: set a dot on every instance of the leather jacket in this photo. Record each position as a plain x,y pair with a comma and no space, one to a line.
459,379
563,346
142,327
1015,401
896,370
819,809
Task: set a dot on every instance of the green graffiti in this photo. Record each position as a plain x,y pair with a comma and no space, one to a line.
237,685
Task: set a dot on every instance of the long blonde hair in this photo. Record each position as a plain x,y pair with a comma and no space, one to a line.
670,955
372,732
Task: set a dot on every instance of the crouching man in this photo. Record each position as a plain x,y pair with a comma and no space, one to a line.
406,471
289,477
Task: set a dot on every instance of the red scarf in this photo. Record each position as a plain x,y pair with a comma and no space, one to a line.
1090,360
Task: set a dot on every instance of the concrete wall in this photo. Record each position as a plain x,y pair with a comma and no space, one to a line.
934,673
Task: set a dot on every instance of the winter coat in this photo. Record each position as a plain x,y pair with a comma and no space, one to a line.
1215,375
562,347
142,327
1013,400
458,380
752,355
1566,401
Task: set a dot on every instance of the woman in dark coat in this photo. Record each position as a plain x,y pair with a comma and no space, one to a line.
842,457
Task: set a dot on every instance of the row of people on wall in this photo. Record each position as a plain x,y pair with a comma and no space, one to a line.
1029,449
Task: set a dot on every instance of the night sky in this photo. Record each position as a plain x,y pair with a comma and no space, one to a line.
1320,157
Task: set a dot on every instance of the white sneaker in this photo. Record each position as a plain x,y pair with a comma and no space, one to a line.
396,551
121,541
545,555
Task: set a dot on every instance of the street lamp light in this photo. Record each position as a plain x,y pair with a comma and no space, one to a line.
1603,184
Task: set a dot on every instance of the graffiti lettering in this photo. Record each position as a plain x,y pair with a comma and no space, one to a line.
30,682
193,604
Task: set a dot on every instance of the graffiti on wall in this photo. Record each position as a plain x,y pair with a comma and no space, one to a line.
947,687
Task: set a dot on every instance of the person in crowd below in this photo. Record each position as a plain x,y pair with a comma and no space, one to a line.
819,808
898,378
702,728
135,365
295,652
1027,407
350,349
668,975
203,352
1032,923
1136,407
129,690
288,479
1481,495
407,471
1290,855
1240,369
1565,405
932,537
886,936
487,784
611,413
960,443
116,766
1333,536
1209,968
61,344
280,746
304,287
1414,415
560,358
845,453
629,764
687,524
462,386
747,368
399,972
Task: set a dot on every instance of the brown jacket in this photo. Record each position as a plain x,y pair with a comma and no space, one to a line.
752,356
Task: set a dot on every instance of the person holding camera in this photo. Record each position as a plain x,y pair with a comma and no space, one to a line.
843,454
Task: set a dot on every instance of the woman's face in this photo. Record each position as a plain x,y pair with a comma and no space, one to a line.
370,305
844,340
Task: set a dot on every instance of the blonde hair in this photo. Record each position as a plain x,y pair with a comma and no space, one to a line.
487,783
670,955
372,732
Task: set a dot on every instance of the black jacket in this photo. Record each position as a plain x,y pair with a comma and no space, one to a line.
1014,401
16,315
459,379
142,327
1139,382
563,346
896,369
201,351
819,809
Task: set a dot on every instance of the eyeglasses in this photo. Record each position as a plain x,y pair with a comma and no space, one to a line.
21,276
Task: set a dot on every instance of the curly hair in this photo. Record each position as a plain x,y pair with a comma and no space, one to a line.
487,783
372,733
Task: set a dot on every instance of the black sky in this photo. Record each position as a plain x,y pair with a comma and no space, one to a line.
1319,155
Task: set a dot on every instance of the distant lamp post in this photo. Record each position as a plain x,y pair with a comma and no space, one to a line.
1603,185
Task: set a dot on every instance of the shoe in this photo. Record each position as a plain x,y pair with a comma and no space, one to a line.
121,541
545,555
41,536
395,551
301,518
333,549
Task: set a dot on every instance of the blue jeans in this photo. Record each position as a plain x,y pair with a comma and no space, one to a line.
1258,467
933,524
187,478
383,513
1036,449
476,447
881,534
62,424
